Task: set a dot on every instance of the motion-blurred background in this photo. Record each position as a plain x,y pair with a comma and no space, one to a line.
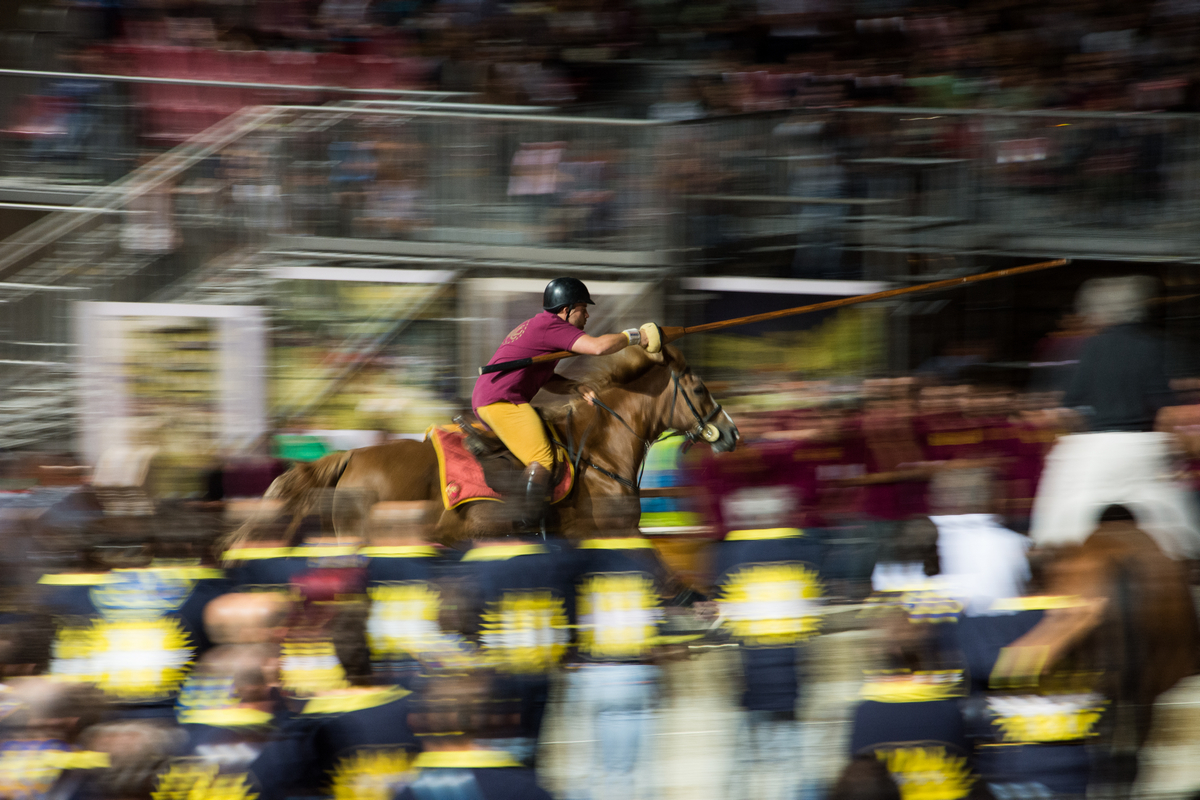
239,234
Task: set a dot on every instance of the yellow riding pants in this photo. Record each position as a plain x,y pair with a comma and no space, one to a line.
521,430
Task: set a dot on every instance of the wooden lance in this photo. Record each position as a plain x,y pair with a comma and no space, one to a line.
674,333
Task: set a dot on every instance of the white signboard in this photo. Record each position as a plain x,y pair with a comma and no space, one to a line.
193,371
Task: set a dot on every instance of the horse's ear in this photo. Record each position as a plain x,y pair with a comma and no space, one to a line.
670,355
658,358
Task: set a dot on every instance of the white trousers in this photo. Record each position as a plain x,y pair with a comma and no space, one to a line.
1087,472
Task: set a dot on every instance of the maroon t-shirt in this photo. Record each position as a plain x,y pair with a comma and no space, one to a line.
891,441
545,333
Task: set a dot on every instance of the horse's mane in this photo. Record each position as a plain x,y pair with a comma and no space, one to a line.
618,369
628,365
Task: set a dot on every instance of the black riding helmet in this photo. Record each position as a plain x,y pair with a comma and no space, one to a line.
563,292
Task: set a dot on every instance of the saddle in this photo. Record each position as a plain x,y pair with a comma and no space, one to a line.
475,465
480,442
485,445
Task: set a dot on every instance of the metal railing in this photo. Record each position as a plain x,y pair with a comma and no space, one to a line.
880,179
482,178
856,192
290,87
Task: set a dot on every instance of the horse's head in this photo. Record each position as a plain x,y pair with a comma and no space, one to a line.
692,410
681,400
697,415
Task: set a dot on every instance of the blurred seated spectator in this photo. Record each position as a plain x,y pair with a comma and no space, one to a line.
42,739
138,751
585,181
229,712
455,711
534,179
247,618
392,208
534,83
353,169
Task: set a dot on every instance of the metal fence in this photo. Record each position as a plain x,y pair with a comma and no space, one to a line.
816,188
822,188
486,179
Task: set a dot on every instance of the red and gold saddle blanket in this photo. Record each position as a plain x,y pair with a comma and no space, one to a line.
461,474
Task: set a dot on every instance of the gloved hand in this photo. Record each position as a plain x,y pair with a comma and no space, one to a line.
651,336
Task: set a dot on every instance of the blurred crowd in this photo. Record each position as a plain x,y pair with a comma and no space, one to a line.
745,56
672,61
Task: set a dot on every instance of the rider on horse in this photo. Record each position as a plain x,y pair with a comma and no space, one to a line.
501,400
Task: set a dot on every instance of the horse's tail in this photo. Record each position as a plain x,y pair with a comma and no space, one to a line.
294,486
294,491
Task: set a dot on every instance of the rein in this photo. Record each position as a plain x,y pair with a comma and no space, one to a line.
703,431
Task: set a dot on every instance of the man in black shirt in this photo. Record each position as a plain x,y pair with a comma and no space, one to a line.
1117,391
1121,381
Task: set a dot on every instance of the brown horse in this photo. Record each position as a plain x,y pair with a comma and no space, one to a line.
641,396
1129,613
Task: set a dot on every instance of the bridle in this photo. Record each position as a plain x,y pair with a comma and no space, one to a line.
703,430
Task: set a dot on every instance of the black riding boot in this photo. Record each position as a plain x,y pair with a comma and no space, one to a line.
536,484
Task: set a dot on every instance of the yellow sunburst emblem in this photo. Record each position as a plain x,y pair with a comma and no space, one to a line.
928,772
131,660
525,631
371,774
188,779
29,768
1034,718
404,619
772,605
618,615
